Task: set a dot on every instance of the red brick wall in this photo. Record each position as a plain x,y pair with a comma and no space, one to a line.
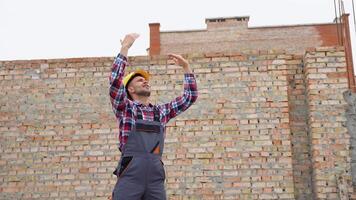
293,39
328,34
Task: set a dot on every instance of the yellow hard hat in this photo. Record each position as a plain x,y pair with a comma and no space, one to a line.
141,72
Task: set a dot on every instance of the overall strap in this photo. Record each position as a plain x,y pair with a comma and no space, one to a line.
156,114
139,114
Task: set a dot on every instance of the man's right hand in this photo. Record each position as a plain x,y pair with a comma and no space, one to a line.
127,42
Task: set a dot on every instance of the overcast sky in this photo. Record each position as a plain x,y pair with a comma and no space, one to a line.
41,29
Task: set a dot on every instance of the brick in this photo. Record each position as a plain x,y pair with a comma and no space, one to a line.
337,75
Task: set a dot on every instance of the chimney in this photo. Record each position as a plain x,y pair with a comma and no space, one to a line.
227,22
155,43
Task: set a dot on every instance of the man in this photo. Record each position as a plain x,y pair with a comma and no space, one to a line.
140,170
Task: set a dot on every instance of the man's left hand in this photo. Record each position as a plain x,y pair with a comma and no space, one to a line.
179,60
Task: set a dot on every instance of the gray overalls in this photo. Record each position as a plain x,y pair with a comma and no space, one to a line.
140,171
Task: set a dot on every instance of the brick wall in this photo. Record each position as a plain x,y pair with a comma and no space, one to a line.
241,38
245,138
234,143
56,129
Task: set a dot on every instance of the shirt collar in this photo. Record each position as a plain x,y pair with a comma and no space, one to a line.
137,103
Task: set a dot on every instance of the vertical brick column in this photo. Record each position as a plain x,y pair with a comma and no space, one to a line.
155,44
326,79
348,51
298,116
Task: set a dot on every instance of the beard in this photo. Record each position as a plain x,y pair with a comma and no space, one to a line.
144,93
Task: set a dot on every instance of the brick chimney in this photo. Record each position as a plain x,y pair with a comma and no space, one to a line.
155,43
227,22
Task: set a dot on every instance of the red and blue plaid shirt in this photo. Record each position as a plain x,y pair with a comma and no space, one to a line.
125,110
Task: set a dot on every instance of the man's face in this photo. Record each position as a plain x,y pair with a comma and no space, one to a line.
139,86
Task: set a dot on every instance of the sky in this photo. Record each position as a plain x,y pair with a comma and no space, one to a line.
45,29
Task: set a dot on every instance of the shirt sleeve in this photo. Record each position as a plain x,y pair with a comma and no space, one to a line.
117,90
181,103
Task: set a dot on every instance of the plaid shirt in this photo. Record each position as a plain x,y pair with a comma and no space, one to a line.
126,110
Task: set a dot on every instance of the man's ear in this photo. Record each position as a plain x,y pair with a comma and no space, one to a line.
130,89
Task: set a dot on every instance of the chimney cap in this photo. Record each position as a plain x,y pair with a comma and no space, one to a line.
223,19
154,24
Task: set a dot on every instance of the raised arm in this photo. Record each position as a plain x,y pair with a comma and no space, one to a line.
190,93
117,91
